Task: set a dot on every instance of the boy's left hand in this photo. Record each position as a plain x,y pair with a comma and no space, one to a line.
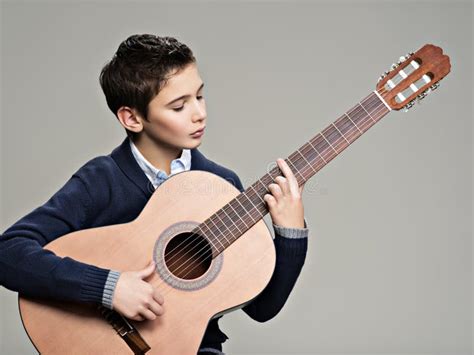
285,203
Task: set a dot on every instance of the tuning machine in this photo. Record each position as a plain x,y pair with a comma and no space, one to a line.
409,105
385,73
435,86
422,95
395,65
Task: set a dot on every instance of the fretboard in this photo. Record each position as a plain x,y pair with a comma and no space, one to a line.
241,213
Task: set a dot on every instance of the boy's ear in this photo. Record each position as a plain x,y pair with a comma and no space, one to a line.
129,119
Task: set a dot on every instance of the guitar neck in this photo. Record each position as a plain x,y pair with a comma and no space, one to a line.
240,214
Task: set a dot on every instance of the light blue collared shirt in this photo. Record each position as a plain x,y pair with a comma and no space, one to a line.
155,175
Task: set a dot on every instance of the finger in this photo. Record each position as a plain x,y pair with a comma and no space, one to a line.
270,200
276,191
283,183
138,318
147,271
156,308
301,189
158,297
293,184
147,314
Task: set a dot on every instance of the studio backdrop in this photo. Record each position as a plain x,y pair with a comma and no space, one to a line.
388,268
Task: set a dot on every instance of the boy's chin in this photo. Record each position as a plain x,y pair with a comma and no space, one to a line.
194,144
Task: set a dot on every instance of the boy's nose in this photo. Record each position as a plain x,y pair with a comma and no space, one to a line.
199,114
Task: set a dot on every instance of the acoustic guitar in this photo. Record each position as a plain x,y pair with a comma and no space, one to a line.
212,250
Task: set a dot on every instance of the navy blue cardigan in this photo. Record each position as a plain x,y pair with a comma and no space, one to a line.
108,190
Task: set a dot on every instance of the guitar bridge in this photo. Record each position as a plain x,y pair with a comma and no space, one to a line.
125,330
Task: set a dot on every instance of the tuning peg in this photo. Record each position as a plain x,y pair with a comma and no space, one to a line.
422,96
434,86
385,73
409,105
394,65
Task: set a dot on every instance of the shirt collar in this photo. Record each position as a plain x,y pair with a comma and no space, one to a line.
183,163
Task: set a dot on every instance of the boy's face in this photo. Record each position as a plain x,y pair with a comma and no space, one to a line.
172,118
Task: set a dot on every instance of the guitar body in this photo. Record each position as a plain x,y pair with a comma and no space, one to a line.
218,285
234,263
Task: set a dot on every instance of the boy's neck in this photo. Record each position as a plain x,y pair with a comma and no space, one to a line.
158,155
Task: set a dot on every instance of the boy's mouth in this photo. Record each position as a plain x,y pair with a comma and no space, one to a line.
198,131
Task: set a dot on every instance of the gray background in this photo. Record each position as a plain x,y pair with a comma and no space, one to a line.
389,263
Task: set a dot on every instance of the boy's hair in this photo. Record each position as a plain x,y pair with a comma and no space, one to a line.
139,70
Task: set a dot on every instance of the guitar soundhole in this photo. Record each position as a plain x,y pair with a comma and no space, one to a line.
188,256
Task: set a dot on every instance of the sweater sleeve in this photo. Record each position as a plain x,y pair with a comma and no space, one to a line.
291,245
36,272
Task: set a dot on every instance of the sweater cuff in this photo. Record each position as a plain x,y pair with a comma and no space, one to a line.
94,279
109,288
292,233
291,248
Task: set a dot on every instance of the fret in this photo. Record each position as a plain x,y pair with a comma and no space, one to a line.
201,226
356,126
238,223
231,219
336,139
295,170
375,106
329,143
366,117
311,156
226,226
297,166
260,192
241,213
324,160
218,229
216,238
367,113
307,162
343,136
212,235
265,188
357,115
224,218
253,206
245,208
345,125
208,238
256,193
323,148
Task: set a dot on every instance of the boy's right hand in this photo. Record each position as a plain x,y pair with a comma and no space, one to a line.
135,298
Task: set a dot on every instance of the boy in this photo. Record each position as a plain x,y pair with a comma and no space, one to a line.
153,86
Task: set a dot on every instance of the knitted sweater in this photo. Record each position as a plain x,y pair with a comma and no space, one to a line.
109,190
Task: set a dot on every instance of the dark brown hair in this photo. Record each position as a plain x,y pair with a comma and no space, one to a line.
139,70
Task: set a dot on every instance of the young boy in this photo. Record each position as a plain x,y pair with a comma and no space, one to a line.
152,85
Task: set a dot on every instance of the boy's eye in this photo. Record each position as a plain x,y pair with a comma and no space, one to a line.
177,109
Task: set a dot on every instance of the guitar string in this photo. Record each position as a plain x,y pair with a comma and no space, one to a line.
305,170
307,167
206,245
211,230
205,254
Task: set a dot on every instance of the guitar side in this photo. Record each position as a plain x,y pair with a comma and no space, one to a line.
240,273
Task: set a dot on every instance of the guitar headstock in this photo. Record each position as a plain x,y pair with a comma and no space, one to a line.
413,77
